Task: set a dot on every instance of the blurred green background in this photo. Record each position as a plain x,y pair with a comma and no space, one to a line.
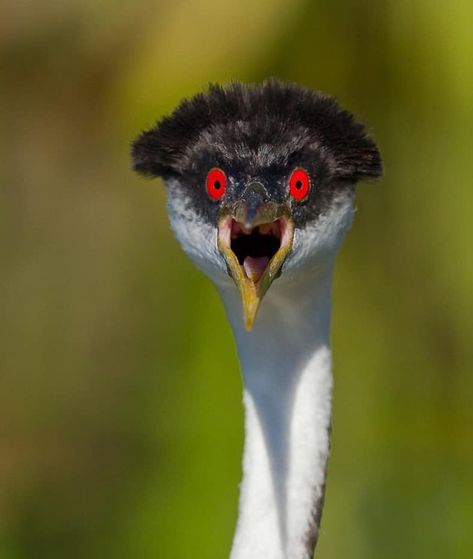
120,397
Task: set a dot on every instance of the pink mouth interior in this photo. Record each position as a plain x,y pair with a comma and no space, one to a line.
255,247
255,267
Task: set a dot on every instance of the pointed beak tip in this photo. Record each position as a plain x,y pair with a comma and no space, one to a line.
252,291
249,320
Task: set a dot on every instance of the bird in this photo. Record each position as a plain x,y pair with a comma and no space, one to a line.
260,181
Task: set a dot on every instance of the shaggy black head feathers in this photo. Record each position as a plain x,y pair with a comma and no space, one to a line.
260,125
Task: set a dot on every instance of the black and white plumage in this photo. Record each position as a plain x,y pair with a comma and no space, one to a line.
261,182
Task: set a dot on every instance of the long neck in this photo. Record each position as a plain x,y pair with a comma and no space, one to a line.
286,366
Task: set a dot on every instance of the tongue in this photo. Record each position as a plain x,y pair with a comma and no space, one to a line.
254,267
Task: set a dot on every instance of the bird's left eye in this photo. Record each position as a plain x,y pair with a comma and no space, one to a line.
216,183
299,184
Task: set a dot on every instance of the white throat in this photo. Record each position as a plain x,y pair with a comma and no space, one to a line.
286,368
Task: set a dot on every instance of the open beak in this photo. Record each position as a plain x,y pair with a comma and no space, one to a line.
254,244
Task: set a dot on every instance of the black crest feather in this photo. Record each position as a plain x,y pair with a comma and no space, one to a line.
269,113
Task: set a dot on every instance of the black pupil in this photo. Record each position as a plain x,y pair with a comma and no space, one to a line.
217,185
298,184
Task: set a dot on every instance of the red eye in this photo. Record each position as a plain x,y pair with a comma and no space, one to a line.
216,183
299,184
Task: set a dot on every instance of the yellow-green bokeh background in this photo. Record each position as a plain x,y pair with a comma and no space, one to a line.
120,404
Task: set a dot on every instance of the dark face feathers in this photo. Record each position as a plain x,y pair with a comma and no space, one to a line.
260,132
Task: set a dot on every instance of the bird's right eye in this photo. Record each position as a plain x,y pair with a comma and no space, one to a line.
216,183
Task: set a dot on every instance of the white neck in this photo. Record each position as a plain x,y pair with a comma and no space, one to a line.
285,361
286,367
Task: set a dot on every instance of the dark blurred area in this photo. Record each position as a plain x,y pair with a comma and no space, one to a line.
120,397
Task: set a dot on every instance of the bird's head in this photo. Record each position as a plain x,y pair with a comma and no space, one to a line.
260,180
